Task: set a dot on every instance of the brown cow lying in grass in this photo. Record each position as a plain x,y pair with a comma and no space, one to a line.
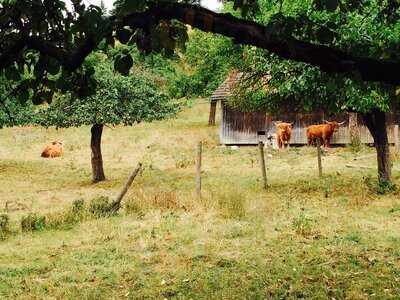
283,133
323,132
55,149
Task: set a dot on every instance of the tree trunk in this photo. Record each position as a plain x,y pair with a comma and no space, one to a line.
97,158
376,123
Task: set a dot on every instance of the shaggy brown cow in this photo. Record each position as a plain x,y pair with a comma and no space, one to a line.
283,133
55,149
323,132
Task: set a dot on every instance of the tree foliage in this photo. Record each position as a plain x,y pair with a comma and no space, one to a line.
206,61
43,44
355,27
12,111
117,100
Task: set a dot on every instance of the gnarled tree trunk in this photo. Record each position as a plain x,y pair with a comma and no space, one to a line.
97,158
376,123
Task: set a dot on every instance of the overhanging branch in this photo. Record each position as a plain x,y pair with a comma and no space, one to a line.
69,61
245,32
330,60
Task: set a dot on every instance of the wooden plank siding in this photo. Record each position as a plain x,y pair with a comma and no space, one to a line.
248,128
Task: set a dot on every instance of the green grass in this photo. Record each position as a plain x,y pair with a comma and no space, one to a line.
304,237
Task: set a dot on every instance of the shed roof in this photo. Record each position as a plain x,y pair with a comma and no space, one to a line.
234,78
224,90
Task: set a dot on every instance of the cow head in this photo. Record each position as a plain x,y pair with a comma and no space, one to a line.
334,125
282,124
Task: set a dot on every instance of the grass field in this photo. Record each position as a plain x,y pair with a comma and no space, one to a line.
305,237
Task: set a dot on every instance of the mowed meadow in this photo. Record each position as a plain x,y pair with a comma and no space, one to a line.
337,237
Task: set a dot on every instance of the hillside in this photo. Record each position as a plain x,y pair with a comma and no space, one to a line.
304,237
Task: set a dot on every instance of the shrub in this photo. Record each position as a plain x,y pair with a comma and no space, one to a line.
33,222
101,207
66,219
78,206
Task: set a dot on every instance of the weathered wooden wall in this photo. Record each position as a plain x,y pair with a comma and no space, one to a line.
241,127
249,128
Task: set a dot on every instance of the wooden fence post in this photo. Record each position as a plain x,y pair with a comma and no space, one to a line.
396,137
319,157
198,169
354,130
117,203
262,163
213,108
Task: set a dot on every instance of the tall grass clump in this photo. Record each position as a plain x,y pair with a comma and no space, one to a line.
68,218
303,225
143,201
101,207
379,187
33,222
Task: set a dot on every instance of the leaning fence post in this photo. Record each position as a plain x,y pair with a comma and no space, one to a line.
115,206
198,169
262,163
319,157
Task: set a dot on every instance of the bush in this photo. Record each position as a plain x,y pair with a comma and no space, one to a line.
67,218
33,222
101,207
78,206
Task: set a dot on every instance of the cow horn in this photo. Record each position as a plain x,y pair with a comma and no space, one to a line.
277,122
341,123
325,121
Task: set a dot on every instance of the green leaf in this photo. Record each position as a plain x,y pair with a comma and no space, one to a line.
123,35
42,96
324,35
329,5
123,63
23,95
37,99
53,66
12,73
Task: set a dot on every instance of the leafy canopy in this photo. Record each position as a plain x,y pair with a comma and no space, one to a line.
365,28
117,100
43,44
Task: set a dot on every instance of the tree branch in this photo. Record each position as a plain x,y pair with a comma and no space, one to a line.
245,32
70,61
330,60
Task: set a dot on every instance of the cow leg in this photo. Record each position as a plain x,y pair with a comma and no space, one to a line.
309,141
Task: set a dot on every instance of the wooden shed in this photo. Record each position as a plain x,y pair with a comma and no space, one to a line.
248,128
